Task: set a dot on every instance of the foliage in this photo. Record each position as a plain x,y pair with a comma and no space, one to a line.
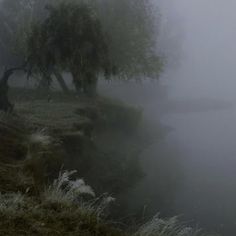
24,215
67,206
127,49
132,29
97,137
28,155
65,190
16,18
71,39
167,227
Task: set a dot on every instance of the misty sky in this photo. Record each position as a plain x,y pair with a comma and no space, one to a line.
209,46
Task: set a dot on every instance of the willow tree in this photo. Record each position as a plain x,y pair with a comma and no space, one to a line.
132,28
16,21
69,36
12,18
70,39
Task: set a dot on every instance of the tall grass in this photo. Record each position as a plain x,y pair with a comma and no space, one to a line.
167,227
65,190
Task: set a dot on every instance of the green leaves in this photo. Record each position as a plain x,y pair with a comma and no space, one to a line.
110,36
71,36
131,27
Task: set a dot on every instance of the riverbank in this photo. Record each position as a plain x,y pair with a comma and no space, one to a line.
49,145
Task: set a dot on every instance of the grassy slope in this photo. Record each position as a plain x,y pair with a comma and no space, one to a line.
42,137
36,142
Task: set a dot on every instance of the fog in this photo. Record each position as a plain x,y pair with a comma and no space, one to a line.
202,99
190,165
209,62
198,153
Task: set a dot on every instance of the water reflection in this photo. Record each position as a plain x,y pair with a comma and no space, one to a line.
207,143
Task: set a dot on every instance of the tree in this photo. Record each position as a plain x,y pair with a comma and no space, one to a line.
16,20
132,28
5,105
10,20
87,39
70,39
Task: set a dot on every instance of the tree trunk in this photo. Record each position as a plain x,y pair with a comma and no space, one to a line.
5,105
44,83
90,85
77,80
61,81
85,82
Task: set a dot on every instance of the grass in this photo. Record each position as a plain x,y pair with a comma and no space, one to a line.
56,116
20,215
66,207
69,207
167,227
66,190
35,200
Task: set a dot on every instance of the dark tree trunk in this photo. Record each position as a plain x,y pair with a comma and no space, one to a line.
44,84
77,80
61,81
85,82
5,105
90,85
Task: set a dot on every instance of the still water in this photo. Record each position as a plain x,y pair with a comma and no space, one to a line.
205,145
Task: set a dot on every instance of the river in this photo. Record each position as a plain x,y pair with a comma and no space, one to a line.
191,170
